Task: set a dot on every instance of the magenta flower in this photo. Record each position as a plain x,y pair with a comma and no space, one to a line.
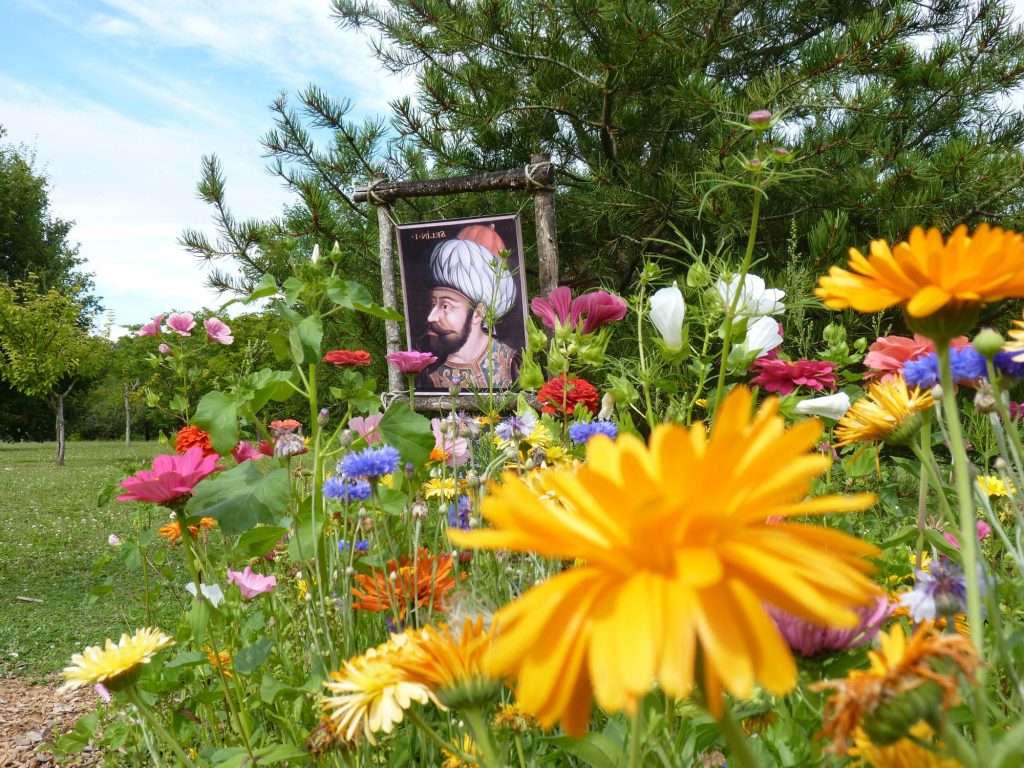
366,427
164,349
152,328
251,584
585,313
246,451
783,377
218,331
181,323
172,477
809,639
411,362
984,531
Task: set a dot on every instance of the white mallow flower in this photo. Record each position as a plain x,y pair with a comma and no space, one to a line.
762,336
830,406
755,300
668,310
211,592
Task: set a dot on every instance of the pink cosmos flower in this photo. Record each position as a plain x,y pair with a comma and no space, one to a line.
593,309
246,451
888,354
809,639
783,377
366,427
411,362
152,328
983,528
456,452
181,323
164,349
251,584
172,477
218,331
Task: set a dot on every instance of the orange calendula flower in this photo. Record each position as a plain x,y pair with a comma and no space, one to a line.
406,584
191,436
931,277
900,667
678,553
172,531
220,661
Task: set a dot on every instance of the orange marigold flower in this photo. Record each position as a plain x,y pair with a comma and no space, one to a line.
899,666
172,531
220,660
191,436
424,582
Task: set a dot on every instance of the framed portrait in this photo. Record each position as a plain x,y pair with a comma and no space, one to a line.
464,302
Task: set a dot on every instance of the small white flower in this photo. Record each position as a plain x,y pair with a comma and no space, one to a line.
829,406
114,540
762,336
211,592
607,406
316,254
756,299
668,310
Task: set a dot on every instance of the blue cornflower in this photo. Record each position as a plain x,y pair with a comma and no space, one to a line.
338,487
370,463
939,591
581,433
966,363
458,513
516,427
361,546
1004,362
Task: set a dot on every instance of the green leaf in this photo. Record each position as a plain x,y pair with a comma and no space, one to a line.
269,385
407,431
860,464
278,753
217,414
1009,750
186,659
242,497
257,542
903,535
304,339
351,295
247,660
267,286
596,750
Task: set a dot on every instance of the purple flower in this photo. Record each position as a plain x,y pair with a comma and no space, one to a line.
164,349
760,118
152,328
1004,362
516,427
361,546
218,331
939,591
338,487
370,463
809,639
181,323
967,367
581,433
458,513
411,362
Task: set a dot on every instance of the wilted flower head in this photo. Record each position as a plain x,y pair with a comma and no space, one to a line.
181,323
218,331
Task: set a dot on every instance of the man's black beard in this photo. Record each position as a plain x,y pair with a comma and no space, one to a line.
444,343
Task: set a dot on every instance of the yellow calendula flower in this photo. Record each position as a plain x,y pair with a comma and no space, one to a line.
468,747
905,753
444,488
371,693
930,277
992,485
115,665
684,543
301,589
889,411
510,717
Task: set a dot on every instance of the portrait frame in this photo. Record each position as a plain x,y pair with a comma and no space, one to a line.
416,242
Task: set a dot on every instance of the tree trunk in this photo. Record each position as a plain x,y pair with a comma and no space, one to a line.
60,429
127,417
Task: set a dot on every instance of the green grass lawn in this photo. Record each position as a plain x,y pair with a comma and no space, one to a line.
51,532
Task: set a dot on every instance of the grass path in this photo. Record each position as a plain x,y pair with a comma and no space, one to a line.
51,532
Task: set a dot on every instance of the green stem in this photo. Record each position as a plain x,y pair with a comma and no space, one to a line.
968,543
482,736
433,735
740,753
154,722
635,739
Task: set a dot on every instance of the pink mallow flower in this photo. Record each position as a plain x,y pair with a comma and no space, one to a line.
152,328
411,362
246,451
181,323
218,331
888,354
809,639
366,427
783,377
984,531
172,477
164,349
585,313
455,452
250,583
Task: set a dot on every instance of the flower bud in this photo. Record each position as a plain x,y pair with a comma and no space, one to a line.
316,254
781,153
419,511
984,400
346,438
472,480
366,523
760,119
323,417
989,342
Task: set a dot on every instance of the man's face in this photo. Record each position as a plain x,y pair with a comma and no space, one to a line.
451,321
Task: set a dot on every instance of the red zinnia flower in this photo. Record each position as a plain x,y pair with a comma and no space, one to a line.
348,357
191,436
566,393
783,377
284,426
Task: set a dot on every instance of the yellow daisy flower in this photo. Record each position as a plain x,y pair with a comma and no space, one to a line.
679,553
116,666
905,753
949,279
444,488
992,485
889,411
469,748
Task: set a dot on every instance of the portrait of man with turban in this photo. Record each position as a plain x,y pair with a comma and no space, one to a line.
468,308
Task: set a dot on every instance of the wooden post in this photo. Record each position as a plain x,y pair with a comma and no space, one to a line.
387,279
547,235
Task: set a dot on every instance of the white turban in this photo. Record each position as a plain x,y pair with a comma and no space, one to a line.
472,270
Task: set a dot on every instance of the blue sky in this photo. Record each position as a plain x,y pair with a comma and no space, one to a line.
122,98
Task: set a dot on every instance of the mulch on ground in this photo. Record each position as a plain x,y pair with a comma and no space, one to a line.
33,716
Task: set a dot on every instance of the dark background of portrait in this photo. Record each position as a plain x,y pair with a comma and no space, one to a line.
414,256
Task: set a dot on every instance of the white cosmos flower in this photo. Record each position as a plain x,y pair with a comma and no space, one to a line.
830,406
668,310
211,592
762,336
755,300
